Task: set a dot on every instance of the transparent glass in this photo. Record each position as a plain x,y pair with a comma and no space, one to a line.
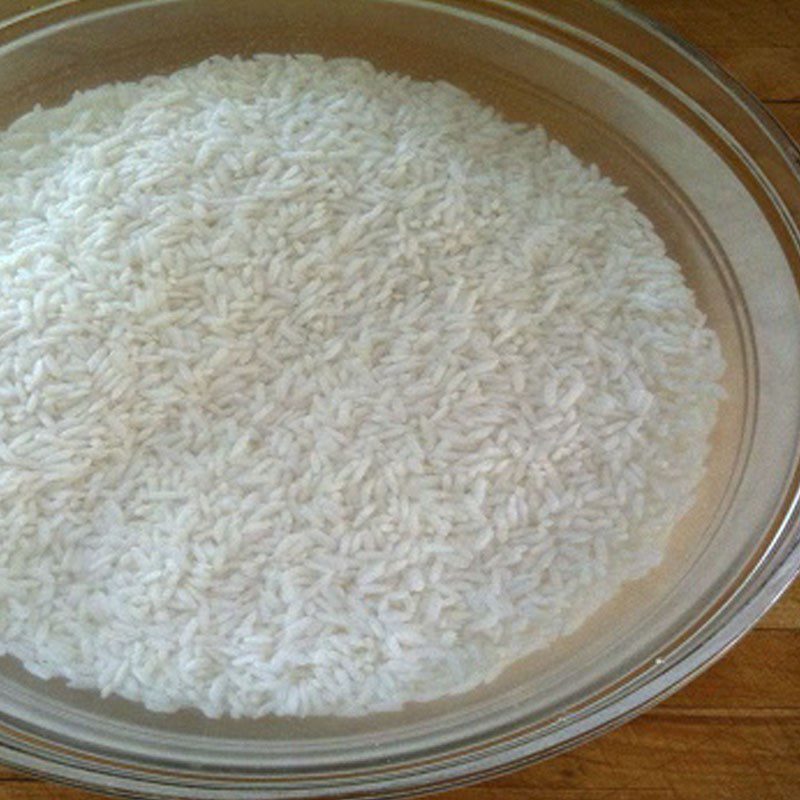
721,183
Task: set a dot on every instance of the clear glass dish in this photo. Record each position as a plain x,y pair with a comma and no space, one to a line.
722,184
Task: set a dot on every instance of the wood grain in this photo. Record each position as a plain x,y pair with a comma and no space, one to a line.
734,733
744,684
666,757
39,790
755,40
788,114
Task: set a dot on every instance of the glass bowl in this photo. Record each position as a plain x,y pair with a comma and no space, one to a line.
721,182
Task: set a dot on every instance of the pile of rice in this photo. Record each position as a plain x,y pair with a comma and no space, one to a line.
323,390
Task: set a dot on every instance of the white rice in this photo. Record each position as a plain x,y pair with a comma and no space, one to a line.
324,390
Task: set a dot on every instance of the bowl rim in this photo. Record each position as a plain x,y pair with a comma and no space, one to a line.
768,573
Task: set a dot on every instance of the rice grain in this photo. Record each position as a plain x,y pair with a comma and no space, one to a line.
323,390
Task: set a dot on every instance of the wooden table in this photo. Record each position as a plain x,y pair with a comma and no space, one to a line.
733,734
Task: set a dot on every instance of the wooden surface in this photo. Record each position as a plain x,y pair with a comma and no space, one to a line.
734,733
